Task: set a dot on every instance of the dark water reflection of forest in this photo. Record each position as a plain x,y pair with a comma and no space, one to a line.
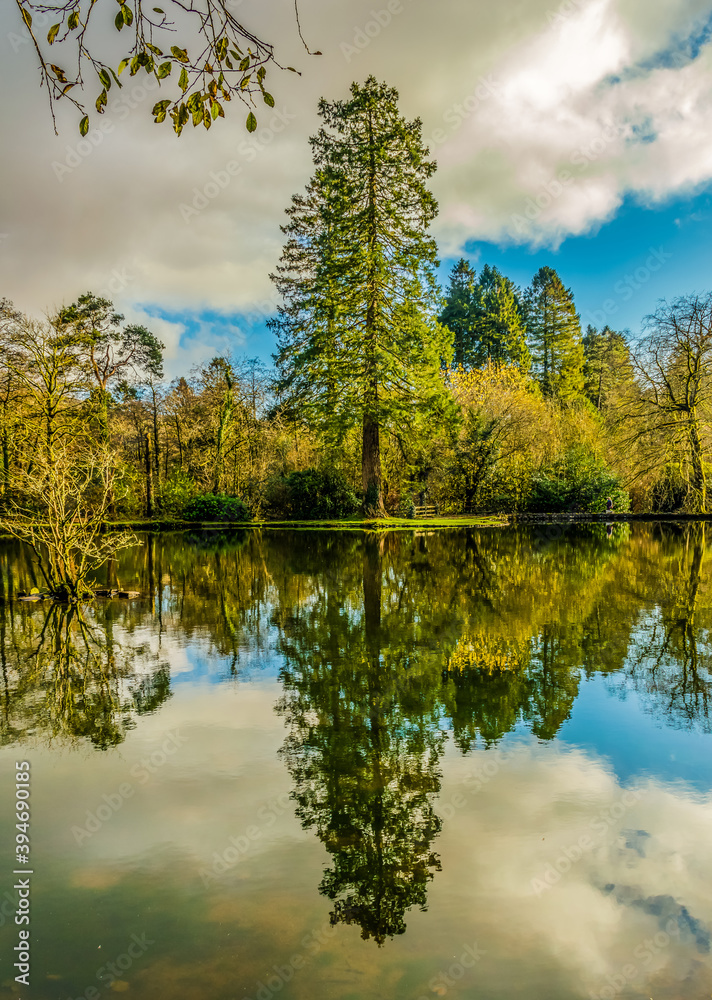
483,627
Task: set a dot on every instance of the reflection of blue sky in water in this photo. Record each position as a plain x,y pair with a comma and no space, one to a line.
646,872
633,740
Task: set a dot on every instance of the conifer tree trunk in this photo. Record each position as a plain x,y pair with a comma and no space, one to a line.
371,445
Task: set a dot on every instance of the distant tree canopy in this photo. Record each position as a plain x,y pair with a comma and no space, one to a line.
485,316
215,57
607,365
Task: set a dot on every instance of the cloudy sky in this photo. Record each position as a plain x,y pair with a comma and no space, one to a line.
574,135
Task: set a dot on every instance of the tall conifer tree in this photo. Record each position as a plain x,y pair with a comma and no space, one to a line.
607,364
458,313
358,341
554,329
485,317
499,326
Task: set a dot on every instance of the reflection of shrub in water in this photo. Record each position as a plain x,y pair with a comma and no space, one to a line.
207,540
492,654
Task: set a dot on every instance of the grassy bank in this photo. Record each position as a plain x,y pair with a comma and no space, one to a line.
346,524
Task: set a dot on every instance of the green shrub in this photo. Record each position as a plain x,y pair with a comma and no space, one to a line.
311,494
176,493
578,482
212,507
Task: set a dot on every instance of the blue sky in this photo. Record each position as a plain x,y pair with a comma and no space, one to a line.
617,272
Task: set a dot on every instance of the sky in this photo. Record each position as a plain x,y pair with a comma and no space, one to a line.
574,135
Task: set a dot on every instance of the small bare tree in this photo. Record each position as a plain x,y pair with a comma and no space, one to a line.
62,517
673,368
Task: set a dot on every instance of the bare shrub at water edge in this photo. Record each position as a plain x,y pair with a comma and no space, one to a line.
62,517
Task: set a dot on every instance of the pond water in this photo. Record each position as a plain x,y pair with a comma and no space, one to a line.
471,763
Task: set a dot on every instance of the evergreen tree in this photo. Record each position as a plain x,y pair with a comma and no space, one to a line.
485,317
607,364
458,313
499,327
358,341
554,329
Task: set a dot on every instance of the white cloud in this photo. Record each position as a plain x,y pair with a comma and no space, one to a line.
578,91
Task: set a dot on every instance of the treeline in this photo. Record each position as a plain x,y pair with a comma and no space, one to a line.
386,393
541,417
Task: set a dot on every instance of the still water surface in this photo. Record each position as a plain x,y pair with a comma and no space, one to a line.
465,763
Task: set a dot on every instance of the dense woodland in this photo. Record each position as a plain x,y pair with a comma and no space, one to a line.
387,391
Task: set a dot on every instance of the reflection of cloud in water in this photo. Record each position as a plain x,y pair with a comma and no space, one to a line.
649,866
643,870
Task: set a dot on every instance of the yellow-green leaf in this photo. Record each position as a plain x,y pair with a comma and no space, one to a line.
84,125
183,80
251,122
52,33
73,20
268,99
26,17
164,70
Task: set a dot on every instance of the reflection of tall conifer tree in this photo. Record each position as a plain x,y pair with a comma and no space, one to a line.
364,763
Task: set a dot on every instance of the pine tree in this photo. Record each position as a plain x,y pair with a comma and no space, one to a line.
358,341
457,315
607,364
485,317
499,326
554,330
